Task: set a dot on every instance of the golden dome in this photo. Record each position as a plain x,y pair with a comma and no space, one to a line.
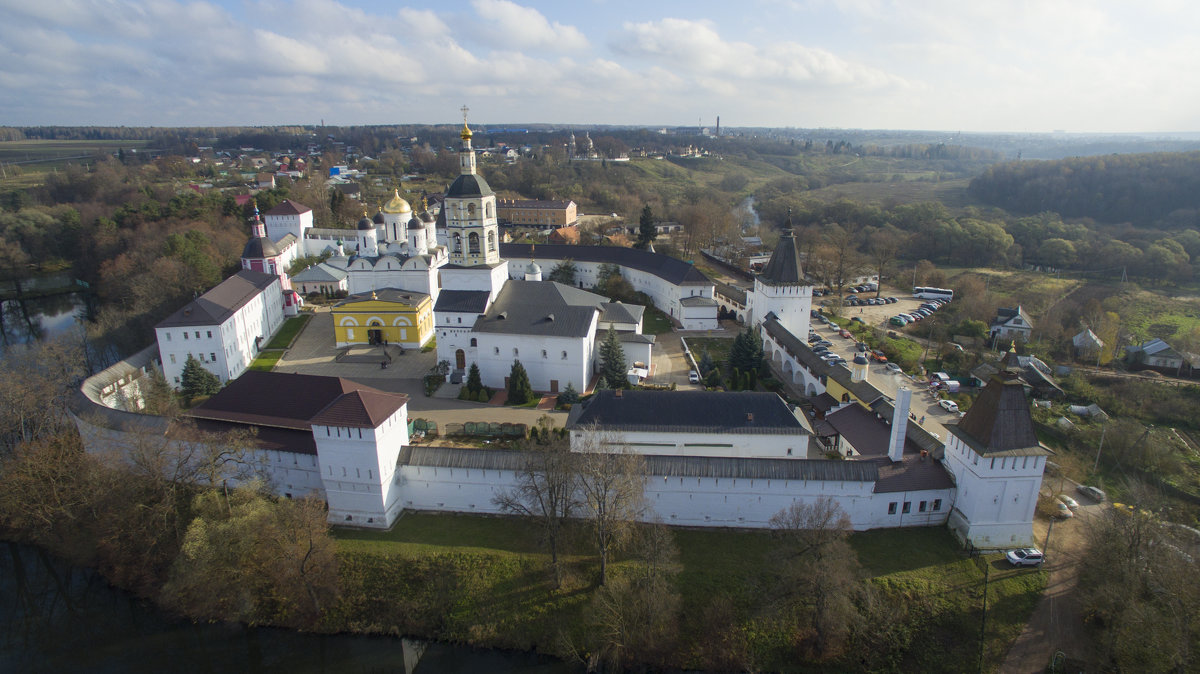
397,205
466,132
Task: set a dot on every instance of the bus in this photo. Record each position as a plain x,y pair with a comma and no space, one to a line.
927,293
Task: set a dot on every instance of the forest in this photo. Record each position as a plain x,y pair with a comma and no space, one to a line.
1159,190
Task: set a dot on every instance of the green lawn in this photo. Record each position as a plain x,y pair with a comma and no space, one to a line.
266,360
494,586
655,322
291,327
717,347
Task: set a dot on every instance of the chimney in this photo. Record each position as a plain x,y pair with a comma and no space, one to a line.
858,369
899,424
749,417
617,393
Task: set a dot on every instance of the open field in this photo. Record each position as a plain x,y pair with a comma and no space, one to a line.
26,162
491,578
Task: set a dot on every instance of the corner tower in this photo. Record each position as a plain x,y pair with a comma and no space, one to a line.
781,289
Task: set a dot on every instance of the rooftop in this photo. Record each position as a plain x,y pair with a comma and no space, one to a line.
665,267
217,305
542,308
688,412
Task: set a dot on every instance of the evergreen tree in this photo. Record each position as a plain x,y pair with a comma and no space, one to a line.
569,396
646,232
196,381
746,353
520,391
564,272
706,363
474,380
612,361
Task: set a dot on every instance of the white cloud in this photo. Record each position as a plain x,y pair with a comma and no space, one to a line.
519,26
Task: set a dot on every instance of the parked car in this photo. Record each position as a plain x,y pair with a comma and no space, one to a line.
824,342
821,350
878,355
845,334
898,321
948,405
694,377
1064,511
892,300
1025,557
1091,492
892,367
856,319
1071,503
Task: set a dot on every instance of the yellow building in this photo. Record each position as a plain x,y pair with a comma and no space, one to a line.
386,316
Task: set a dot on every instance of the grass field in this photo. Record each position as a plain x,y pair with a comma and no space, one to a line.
26,162
265,360
503,597
291,327
655,322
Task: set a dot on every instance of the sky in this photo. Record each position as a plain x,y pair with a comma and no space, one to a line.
952,65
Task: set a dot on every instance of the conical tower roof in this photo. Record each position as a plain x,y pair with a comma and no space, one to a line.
1000,420
784,266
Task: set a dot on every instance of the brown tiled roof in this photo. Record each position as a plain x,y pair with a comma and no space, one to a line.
277,399
364,408
288,207
912,474
531,203
999,420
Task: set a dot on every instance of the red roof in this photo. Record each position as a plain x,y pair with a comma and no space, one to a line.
364,408
288,207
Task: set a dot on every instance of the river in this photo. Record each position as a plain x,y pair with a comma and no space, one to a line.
35,318
59,618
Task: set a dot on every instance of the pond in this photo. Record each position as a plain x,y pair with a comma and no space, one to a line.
59,618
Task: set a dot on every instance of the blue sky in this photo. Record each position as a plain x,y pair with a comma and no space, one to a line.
969,65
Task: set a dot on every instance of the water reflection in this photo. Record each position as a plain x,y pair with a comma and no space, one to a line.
57,618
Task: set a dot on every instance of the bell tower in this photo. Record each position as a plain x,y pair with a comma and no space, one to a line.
470,208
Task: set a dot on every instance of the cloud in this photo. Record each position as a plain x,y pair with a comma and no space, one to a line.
696,48
518,26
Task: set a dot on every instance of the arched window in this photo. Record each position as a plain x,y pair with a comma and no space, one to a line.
516,352
457,242
471,210
474,342
488,209
491,242
473,243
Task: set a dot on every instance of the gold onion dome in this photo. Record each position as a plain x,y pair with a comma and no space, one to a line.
397,204
466,132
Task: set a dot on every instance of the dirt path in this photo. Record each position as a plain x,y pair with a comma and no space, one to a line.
1056,623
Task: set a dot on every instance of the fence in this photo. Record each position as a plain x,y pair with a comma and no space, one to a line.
473,428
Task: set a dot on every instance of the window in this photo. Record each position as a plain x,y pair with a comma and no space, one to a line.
496,350
172,359
516,352
937,504
921,507
197,334
212,357
543,353
892,508
168,336
491,242
185,334
907,507
460,319
177,380
210,334
474,342
564,356
473,243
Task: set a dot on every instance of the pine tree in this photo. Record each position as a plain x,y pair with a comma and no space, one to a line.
564,272
746,353
519,389
646,231
474,380
569,396
196,381
612,361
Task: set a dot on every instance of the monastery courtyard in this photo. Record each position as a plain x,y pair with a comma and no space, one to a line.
313,352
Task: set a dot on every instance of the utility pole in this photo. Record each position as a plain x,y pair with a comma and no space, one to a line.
1096,466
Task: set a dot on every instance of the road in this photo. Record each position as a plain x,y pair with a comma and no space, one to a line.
1057,621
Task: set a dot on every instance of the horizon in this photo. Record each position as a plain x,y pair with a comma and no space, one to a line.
1036,68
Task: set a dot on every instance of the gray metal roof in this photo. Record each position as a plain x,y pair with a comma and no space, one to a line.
744,413
469,185
462,301
665,267
698,301
217,305
320,273
541,308
784,266
619,312
658,466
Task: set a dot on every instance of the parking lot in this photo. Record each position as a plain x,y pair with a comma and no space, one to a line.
878,315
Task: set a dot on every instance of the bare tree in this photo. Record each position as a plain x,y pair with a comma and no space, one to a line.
819,570
883,246
841,258
546,491
611,491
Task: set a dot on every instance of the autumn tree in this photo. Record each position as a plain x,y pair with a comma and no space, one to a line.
546,493
253,558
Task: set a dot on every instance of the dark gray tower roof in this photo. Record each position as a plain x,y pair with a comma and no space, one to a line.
784,266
